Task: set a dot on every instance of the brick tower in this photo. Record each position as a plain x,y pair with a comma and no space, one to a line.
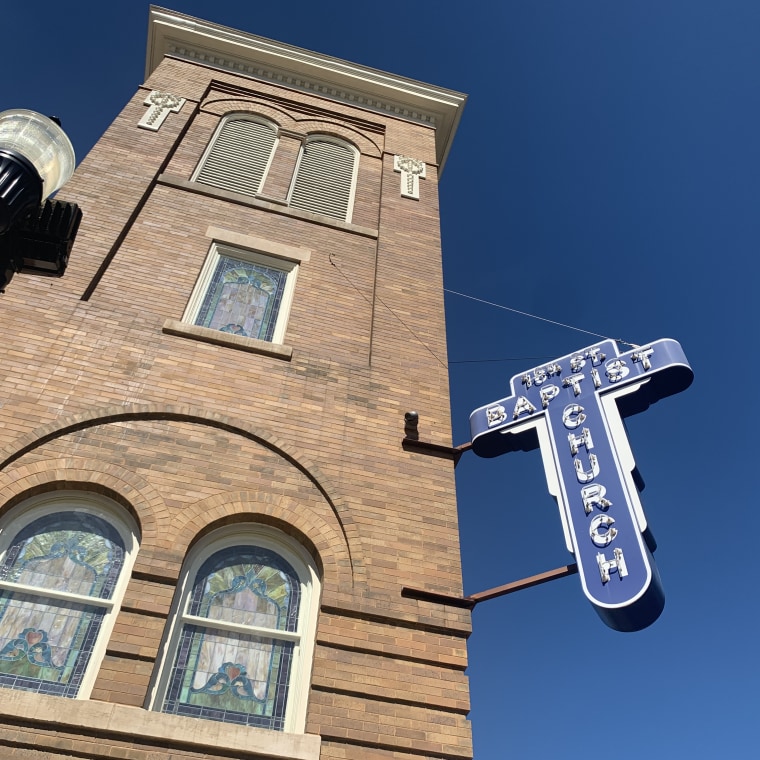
209,505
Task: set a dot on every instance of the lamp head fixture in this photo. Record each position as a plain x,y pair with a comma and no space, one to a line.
411,422
36,159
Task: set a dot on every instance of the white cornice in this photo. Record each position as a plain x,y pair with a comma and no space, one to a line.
192,39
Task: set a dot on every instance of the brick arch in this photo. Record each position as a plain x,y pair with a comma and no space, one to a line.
221,107
321,539
187,413
20,481
365,145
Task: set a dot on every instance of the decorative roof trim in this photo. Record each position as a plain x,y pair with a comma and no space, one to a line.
191,39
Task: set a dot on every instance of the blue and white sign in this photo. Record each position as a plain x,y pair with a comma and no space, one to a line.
573,409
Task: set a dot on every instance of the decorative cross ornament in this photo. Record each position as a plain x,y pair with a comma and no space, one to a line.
572,409
161,105
411,170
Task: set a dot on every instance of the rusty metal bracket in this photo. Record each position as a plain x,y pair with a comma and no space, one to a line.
468,602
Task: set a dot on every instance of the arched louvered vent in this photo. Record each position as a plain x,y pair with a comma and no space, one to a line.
324,181
238,156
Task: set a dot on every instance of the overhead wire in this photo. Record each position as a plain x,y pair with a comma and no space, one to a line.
535,316
417,337
487,303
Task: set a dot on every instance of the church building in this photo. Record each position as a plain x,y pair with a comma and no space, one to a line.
225,439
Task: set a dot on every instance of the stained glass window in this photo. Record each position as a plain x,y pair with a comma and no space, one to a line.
244,293
57,578
243,298
239,634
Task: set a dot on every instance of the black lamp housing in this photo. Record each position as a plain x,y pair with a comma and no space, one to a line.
20,187
40,242
36,158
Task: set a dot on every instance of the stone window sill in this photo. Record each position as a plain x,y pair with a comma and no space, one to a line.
218,338
113,724
277,207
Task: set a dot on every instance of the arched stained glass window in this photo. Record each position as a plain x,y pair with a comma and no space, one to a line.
238,643
59,576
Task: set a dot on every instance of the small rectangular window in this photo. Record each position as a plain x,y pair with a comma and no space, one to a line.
243,293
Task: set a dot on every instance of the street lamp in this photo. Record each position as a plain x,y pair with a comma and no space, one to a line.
36,159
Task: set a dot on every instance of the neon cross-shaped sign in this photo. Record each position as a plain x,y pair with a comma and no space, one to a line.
572,408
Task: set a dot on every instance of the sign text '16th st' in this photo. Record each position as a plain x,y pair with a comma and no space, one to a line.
572,408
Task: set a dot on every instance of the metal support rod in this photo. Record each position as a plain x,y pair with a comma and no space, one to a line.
533,580
468,602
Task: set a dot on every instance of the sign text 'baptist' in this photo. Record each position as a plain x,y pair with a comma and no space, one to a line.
572,408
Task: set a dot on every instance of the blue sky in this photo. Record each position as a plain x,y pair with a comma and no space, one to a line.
605,175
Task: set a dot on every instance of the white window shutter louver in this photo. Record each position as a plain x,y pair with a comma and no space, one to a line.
324,179
238,157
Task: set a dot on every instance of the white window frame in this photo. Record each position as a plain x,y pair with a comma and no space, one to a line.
92,504
303,639
218,249
239,116
320,137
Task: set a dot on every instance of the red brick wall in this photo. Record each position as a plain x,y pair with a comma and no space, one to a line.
192,435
